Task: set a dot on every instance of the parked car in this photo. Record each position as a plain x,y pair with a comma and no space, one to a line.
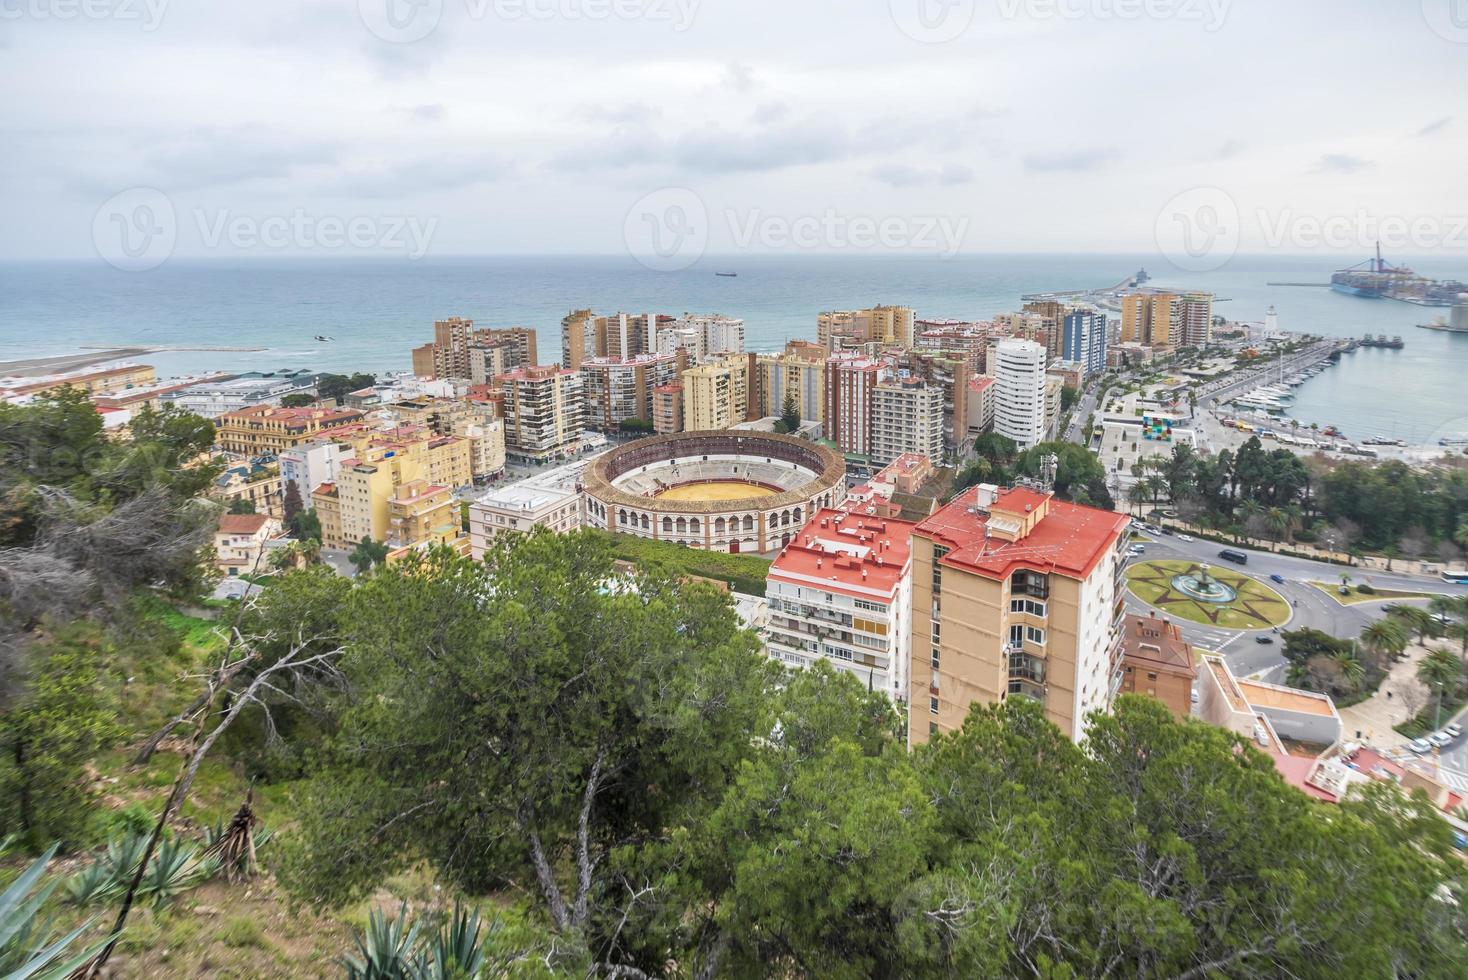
1420,745
1277,579
1186,537
1264,639
1454,729
1440,739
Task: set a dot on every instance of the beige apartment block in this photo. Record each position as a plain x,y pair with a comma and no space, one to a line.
1015,594
716,395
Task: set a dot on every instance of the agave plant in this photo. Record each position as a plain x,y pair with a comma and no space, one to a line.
176,867
28,949
386,949
123,856
93,885
458,949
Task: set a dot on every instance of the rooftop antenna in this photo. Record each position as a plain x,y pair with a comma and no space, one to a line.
1049,465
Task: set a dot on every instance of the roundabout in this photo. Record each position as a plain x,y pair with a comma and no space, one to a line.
1200,593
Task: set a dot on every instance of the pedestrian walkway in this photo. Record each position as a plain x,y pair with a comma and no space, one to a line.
1400,697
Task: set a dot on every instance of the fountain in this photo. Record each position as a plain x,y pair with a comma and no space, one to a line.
1204,588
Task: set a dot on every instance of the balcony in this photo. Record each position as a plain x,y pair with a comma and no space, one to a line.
1030,584
1023,667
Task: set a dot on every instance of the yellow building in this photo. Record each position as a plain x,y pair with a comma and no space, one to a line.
368,483
326,501
419,513
266,430
716,395
799,372
1155,319
853,328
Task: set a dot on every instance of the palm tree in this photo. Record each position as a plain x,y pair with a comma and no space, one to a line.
1459,632
1442,606
1351,668
1439,670
1384,639
1279,522
1418,621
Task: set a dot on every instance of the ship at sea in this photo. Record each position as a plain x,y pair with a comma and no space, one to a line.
1377,279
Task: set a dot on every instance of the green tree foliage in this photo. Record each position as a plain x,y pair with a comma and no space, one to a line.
59,722
367,555
298,399
529,719
634,426
241,505
622,752
338,386
789,415
1068,398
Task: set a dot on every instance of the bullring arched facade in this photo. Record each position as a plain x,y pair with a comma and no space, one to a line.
623,486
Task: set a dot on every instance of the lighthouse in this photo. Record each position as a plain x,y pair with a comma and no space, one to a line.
1271,323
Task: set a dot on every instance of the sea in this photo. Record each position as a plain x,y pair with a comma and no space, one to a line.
376,310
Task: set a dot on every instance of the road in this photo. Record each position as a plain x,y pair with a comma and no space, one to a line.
1312,608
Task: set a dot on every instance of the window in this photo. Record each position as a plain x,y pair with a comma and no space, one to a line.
1151,677
1029,606
932,706
937,658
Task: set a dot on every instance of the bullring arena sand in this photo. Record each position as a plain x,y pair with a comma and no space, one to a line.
716,490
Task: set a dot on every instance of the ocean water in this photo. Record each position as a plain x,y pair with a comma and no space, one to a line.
378,309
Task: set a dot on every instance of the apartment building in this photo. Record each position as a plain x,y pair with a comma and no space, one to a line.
718,334
368,484
1054,386
266,430
458,350
851,383
716,395
979,406
486,439
1019,392
847,329
1166,319
419,514
907,417
585,336
311,464
1051,321
841,590
1195,319
617,389
545,411
1015,594
552,499
1024,326
1158,662
667,408
961,339
949,373
800,373
1085,340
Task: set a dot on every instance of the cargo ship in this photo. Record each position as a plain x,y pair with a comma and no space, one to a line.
1376,279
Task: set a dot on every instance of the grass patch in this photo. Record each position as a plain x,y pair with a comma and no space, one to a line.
1357,597
1254,606
743,573
241,932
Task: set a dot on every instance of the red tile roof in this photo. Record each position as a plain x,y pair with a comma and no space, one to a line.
1069,539
242,523
848,553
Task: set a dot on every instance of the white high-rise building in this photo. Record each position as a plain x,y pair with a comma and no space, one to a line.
907,417
1019,391
719,334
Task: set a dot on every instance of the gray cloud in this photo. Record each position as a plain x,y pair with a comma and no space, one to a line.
740,77
1436,126
1070,161
1230,149
1340,163
430,112
903,175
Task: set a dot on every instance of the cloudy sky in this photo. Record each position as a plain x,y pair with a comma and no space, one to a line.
553,126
